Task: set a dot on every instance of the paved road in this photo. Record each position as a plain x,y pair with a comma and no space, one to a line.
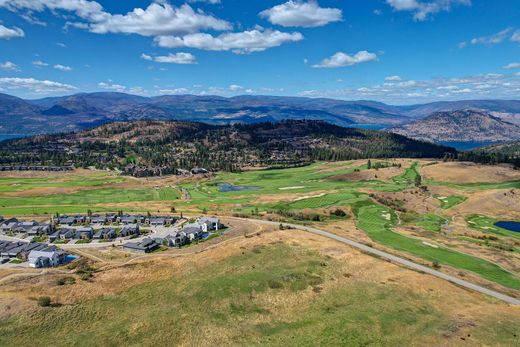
399,260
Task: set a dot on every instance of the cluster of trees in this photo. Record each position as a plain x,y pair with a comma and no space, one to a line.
491,158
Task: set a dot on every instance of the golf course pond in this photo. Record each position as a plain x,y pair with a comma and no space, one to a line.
508,225
226,188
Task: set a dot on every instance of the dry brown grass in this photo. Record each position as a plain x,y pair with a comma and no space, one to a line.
463,172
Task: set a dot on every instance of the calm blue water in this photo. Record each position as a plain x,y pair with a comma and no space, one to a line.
10,136
511,226
465,146
226,187
69,258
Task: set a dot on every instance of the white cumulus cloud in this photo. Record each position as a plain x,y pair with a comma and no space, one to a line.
9,33
393,78
423,9
8,65
34,85
512,66
490,40
341,59
62,67
255,40
296,13
112,86
235,88
177,58
39,63
159,18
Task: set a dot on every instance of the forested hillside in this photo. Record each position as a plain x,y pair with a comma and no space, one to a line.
158,147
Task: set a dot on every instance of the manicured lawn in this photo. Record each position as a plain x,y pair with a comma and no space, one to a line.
431,222
83,200
486,225
450,201
377,221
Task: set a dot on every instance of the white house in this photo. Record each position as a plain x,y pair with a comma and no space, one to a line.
44,258
208,223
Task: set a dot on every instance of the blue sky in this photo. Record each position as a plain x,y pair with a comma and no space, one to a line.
396,51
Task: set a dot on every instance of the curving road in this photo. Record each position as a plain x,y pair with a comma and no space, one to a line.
397,260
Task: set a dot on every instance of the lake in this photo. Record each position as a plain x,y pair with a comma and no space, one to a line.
10,136
508,225
226,187
465,146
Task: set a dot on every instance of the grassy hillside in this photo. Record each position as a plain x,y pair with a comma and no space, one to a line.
275,295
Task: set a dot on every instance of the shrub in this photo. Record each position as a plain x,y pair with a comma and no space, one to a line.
338,213
274,284
65,280
44,301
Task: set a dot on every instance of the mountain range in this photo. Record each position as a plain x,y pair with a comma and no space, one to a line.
462,125
87,110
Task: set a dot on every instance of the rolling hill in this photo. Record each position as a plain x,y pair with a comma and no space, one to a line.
460,126
171,145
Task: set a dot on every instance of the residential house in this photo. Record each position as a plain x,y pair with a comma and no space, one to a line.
67,234
156,221
37,230
85,233
69,220
145,246
98,219
28,247
193,231
10,249
47,257
129,230
8,224
176,239
105,234
209,223
129,219
111,217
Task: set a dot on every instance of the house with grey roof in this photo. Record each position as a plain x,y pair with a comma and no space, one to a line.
11,249
145,246
42,229
193,231
66,234
69,220
8,225
47,257
129,230
130,219
98,219
105,234
84,233
176,239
